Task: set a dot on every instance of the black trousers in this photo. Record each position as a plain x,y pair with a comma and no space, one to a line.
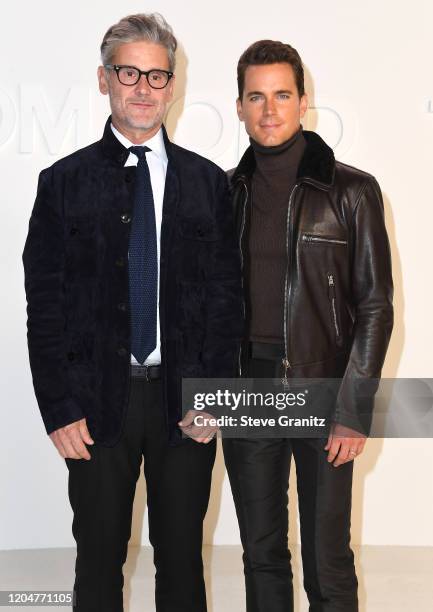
259,472
101,493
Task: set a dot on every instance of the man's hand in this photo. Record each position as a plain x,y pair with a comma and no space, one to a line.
200,433
344,444
70,440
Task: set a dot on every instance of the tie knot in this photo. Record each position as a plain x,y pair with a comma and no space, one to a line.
139,151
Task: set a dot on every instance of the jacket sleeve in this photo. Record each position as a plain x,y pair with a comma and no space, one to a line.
224,317
372,292
44,263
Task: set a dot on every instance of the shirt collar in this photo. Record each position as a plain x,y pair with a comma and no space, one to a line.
156,143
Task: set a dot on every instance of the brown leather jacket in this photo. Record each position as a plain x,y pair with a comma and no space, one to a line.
338,313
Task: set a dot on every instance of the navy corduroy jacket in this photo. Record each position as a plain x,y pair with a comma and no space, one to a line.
76,278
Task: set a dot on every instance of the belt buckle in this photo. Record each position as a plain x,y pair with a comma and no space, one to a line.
139,370
147,373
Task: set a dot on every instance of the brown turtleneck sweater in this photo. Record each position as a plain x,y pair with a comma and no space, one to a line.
273,180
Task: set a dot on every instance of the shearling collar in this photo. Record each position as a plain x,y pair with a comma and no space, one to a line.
317,164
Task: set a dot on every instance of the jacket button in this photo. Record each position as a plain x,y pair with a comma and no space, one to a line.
128,178
71,356
121,306
120,262
125,218
200,232
121,351
73,231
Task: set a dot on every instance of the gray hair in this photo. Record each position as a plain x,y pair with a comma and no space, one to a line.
149,27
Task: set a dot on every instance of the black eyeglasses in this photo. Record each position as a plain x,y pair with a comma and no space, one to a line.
130,75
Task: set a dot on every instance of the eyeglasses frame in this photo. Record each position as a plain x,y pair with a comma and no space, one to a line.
117,67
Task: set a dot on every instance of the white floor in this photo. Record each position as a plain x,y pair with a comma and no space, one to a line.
392,579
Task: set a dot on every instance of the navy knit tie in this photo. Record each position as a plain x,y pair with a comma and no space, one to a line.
143,263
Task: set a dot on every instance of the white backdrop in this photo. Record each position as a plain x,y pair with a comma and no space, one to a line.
369,76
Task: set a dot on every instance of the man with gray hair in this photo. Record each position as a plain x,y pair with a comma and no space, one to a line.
132,278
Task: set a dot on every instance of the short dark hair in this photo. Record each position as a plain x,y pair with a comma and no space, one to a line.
270,52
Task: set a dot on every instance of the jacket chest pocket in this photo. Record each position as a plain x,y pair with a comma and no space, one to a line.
197,240
322,240
81,245
198,230
80,227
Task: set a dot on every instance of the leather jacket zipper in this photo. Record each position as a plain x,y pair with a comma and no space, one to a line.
319,239
287,290
333,300
242,267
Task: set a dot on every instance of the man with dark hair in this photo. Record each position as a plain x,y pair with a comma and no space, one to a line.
132,281
318,300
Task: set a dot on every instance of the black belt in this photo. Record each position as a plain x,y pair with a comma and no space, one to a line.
265,350
147,372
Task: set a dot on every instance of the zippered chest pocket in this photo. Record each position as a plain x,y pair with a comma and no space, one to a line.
320,239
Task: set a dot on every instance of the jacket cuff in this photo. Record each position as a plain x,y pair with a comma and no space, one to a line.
67,413
360,423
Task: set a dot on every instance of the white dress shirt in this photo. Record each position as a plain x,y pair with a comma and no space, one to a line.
157,162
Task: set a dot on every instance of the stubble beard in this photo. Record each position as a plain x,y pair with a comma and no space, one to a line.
135,123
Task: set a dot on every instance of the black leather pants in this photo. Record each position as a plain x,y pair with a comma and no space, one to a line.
259,471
